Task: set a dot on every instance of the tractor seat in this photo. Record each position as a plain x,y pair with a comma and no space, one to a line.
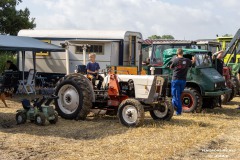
26,104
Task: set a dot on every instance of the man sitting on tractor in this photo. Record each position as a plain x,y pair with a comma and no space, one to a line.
92,71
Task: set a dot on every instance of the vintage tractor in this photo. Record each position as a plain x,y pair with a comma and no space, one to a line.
214,46
204,84
126,96
231,48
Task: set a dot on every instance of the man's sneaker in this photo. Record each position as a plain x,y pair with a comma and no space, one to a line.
177,114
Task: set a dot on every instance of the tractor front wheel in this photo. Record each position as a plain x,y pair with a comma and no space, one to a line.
225,98
236,84
191,100
131,113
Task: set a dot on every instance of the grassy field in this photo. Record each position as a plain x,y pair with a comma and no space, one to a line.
213,134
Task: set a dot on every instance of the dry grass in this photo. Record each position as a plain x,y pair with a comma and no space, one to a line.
105,138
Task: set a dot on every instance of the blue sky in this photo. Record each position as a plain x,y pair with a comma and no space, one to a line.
184,19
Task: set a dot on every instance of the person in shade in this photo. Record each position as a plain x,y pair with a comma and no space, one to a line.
180,66
11,66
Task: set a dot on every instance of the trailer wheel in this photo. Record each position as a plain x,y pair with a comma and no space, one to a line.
131,113
21,118
40,119
75,94
164,112
191,100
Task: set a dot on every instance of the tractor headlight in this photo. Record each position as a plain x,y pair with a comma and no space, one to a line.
215,85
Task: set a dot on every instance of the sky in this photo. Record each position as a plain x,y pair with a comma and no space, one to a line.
183,19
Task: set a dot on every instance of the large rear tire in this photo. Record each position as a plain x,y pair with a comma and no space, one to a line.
75,94
191,100
131,113
163,112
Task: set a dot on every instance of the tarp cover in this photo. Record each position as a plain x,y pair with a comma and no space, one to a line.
19,43
168,54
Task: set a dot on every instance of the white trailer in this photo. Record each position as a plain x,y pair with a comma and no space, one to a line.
112,48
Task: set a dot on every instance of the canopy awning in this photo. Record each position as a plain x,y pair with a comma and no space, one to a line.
19,43
23,44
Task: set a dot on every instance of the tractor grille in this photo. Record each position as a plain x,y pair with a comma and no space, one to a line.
220,85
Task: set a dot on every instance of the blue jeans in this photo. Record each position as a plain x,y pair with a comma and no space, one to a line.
177,87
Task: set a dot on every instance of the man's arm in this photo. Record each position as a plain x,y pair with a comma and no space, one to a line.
172,65
193,59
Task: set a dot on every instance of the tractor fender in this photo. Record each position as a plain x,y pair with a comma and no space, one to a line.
196,86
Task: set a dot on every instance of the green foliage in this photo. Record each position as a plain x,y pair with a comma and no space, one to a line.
227,35
161,37
154,37
4,56
167,37
12,20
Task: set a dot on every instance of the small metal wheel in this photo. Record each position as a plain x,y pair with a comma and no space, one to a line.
54,121
21,118
163,112
131,113
40,119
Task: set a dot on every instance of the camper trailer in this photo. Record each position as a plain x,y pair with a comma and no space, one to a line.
115,48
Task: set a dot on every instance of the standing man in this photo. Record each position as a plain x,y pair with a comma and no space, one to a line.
218,61
180,67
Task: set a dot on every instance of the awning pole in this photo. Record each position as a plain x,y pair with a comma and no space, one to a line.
67,60
23,64
84,54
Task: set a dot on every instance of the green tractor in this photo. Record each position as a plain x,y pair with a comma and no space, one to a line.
214,46
232,56
204,84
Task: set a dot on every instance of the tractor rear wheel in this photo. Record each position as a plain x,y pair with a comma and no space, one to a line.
131,113
163,112
191,100
75,94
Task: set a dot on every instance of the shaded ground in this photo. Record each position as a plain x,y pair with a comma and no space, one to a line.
213,134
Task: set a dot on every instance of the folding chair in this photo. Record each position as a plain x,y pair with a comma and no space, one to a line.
28,86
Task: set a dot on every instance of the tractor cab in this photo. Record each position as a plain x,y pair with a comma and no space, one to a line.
159,46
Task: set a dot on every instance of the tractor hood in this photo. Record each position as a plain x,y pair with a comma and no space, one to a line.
211,79
212,74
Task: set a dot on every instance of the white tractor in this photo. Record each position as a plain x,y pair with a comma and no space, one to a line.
127,96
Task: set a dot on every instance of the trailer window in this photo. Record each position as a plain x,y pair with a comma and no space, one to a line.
98,49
